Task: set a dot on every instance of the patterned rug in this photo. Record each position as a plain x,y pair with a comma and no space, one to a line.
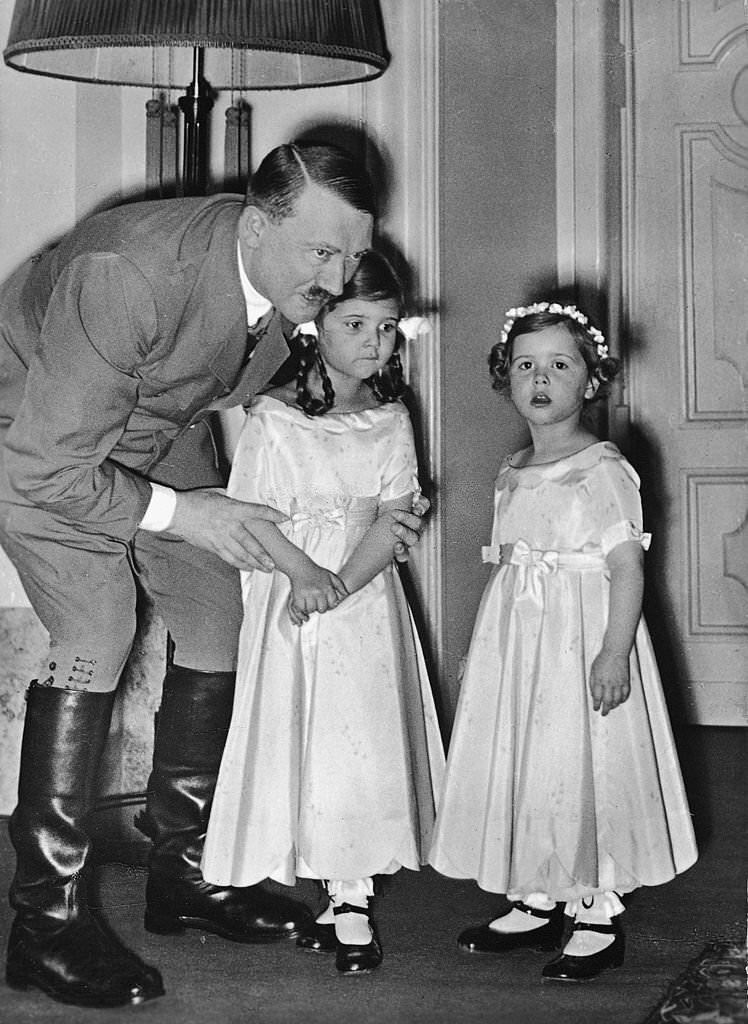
711,990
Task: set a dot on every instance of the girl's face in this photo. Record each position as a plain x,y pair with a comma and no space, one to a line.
358,336
548,376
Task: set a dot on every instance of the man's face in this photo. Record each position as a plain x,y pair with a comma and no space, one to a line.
302,260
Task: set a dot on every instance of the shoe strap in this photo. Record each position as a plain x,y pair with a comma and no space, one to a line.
350,908
532,911
587,926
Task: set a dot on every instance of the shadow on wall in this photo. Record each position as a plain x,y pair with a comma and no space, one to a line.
360,144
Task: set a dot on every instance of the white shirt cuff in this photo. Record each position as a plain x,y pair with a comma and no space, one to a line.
160,512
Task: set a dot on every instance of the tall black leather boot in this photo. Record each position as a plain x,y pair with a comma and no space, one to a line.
192,726
58,944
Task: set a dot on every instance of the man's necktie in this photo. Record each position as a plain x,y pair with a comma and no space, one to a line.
256,333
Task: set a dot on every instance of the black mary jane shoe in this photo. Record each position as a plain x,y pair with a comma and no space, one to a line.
357,959
318,938
584,968
543,939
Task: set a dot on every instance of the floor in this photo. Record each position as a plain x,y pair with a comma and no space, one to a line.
424,980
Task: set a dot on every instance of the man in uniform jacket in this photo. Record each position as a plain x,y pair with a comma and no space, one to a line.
116,346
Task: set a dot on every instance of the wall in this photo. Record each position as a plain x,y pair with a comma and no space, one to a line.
497,240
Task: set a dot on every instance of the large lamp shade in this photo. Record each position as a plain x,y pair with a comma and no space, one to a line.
247,44
200,46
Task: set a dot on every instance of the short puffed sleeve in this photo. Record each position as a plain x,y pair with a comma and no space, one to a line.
616,503
400,469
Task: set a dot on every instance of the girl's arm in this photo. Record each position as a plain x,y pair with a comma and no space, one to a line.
374,551
313,588
609,676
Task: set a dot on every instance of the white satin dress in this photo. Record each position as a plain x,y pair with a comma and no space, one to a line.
542,793
334,755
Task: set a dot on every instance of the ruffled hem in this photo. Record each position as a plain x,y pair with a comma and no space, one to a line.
607,903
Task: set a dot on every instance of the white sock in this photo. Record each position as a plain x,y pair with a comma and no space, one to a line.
352,929
518,921
587,943
326,916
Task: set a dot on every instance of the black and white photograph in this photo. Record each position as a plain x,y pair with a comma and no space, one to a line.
373,511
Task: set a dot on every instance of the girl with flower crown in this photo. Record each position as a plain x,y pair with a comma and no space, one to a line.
563,790
333,754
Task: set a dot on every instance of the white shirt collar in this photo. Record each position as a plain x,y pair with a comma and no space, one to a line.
257,305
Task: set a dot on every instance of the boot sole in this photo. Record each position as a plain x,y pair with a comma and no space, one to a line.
21,982
547,948
579,981
158,924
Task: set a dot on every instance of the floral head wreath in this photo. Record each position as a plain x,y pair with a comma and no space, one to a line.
572,312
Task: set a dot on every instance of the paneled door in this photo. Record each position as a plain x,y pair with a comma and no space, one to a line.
686,303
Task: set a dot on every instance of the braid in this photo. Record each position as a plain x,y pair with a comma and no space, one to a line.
388,384
310,357
327,389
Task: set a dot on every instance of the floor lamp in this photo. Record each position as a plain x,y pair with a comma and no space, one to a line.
199,46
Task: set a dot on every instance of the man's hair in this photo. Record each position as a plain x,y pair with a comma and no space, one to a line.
288,169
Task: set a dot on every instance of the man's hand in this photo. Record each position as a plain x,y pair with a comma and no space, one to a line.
408,527
208,519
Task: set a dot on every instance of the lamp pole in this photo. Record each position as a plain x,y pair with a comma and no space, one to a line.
195,106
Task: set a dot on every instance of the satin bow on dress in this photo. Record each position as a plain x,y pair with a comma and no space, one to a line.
320,517
545,561
520,553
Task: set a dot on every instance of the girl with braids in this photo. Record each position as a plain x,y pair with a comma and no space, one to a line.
563,789
334,755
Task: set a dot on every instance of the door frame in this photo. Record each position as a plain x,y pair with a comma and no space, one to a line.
411,86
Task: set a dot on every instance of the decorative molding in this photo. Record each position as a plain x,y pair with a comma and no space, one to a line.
628,158
718,25
735,554
421,242
712,213
594,172
565,119
580,144
714,516
620,291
